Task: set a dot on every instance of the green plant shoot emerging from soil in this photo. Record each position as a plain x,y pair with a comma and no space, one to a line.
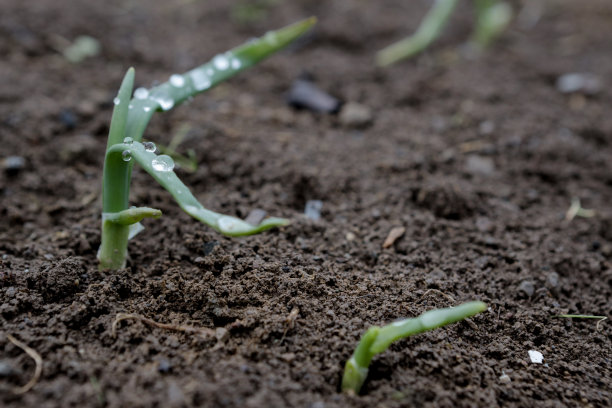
378,339
492,18
130,118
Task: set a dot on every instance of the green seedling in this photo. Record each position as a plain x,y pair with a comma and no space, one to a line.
492,18
378,339
577,316
124,148
576,210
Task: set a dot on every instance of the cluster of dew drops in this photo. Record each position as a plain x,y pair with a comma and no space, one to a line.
200,77
162,163
201,80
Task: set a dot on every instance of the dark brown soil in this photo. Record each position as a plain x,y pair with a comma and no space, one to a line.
478,159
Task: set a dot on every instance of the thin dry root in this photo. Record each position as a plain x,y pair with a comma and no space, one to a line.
598,322
37,371
290,322
204,332
439,292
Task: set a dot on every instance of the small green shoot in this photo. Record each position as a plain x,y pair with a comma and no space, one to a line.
124,148
492,18
576,210
378,339
577,316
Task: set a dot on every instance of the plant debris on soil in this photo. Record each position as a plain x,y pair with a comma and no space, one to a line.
478,160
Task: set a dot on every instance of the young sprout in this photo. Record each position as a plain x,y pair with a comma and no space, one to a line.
576,210
124,148
578,316
378,339
492,18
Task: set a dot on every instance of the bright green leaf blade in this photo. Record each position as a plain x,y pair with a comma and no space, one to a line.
492,19
427,321
376,340
120,112
356,368
131,215
160,167
223,66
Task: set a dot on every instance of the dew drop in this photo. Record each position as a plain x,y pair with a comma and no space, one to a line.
226,223
116,101
128,140
149,146
146,108
210,72
177,80
130,106
221,62
200,80
236,64
141,93
164,103
126,155
163,163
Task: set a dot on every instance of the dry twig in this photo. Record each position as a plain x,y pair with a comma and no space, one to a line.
201,331
37,370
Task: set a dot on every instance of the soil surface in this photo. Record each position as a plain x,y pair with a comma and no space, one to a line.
477,158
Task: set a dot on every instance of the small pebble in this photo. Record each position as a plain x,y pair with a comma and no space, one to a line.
535,356
504,378
527,287
6,369
68,119
486,127
480,165
221,334
13,164
355,115
313,209
256,216
586,83
393,236
552,280
305,95
208,247
164,366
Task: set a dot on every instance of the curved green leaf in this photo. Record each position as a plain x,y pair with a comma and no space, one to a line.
376,340
160,168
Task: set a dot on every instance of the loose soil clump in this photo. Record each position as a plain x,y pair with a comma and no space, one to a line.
477,159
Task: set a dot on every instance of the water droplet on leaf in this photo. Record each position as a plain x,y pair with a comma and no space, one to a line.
128,140
177,80
236,64
164,103
141,93
200,80
146,108
163,163
227,224
116,101
221,62
149,146
126,155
